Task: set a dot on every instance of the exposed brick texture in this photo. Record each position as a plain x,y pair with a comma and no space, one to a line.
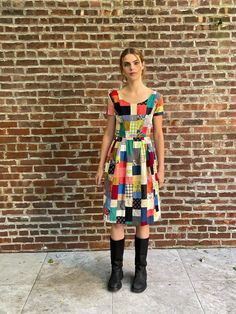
58,59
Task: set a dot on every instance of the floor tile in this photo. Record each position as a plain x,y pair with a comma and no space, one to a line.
217,297
208,264
159,297
80,297
164,265
71,267
20,268
13,298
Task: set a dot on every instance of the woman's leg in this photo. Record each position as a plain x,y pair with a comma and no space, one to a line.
141,247
117,232
117,243
142,232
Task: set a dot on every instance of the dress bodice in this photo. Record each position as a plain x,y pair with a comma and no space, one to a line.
134,120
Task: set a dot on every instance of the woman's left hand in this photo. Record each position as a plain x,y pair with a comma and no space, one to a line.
160,175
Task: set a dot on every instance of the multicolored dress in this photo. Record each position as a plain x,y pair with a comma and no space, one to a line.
131,191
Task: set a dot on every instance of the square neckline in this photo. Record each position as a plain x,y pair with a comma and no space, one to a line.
141,102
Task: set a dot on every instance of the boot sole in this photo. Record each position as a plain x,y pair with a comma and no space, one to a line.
111,289
114,289
138,290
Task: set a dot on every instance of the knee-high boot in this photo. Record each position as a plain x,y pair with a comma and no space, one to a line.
140,279
117,250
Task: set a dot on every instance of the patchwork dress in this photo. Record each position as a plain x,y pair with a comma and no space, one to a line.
131,192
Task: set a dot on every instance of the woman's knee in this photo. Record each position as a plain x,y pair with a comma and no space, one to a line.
117,232
142,231
118,227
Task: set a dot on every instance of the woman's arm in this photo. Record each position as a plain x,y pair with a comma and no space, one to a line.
106,142
159,146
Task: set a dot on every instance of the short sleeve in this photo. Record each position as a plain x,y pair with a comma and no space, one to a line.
159,109
110,106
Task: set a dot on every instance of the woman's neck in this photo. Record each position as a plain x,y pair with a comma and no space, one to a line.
134,87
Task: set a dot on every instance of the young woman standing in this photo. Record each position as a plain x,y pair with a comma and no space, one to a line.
133,168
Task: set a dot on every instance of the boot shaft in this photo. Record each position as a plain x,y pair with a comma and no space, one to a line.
117,251
140,278
141,249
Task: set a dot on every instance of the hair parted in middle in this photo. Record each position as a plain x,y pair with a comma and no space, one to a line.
135,52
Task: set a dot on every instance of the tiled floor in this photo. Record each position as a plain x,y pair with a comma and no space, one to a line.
180,281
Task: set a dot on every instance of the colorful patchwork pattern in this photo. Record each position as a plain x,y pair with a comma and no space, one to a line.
131,192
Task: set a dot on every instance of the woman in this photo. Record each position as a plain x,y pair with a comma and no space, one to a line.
134,169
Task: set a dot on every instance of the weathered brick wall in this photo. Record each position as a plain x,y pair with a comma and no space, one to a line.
58,61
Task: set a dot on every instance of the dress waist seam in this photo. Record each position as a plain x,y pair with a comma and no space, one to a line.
134,138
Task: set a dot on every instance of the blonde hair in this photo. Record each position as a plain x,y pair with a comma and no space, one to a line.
133,51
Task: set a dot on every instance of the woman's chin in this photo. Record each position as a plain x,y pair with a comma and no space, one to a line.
134,78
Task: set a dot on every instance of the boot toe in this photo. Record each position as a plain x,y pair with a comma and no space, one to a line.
140,280
138,288
114,288
114,283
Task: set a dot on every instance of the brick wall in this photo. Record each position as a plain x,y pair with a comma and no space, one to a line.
58,60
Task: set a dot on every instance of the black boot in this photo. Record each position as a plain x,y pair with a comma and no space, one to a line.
117,250
140,278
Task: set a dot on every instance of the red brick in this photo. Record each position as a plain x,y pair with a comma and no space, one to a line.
32,247
23,239
79,246
10,247
5,240
165,243
98,245
229,242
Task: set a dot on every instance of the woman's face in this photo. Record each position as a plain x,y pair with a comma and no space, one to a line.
132,67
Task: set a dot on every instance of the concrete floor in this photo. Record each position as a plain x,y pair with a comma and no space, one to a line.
179,281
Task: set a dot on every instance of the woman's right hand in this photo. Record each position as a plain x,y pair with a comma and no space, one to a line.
99,175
